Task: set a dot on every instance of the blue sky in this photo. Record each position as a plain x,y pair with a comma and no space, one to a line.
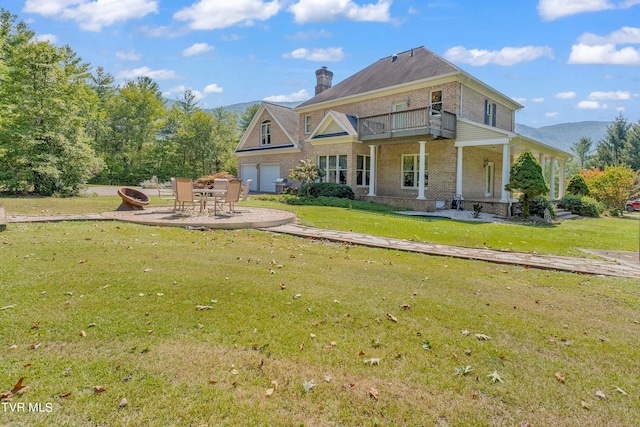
564,60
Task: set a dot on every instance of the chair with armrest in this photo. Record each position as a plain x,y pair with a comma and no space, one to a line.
245,189
168,194
185,198
230,197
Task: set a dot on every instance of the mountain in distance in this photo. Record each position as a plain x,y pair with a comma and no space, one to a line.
564,135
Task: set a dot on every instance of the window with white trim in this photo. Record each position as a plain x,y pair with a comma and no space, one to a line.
436,102
489,113
334,168
411,171
265,133
363,171
307,124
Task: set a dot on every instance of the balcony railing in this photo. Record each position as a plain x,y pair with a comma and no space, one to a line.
419,121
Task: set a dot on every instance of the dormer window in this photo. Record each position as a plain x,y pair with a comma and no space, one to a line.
265,133
436,102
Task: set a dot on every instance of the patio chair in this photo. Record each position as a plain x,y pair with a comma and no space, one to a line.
230,197
185,198
220,184
166,194
245,189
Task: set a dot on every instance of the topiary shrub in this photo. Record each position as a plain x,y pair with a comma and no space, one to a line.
538,204
326,189
577,186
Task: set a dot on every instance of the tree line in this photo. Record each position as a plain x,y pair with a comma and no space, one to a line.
64,123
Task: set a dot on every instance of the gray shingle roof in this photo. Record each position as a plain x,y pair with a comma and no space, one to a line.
286,117
412,65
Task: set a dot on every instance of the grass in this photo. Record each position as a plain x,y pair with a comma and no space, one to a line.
134,290
565,238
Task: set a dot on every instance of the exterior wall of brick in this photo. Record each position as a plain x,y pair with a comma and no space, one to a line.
473,109
474,172
278,137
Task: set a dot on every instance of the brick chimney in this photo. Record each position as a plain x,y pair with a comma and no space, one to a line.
324,77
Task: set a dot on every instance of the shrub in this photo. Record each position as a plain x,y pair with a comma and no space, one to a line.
582,205
326,189
306,172
578,186
538,204
207,181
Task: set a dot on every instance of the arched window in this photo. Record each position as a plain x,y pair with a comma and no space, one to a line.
265,133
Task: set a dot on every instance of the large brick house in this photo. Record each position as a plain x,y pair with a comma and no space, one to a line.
411,130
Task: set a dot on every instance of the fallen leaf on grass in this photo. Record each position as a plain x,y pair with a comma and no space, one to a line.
483,337
124,402
7,307
405,306
463,370
584,404
600,395
274,383
82,261
308,385
621,391
99,389
83,334
373,393
426,345
67,394
391,317
373,361
203,307
301,346
269,391
35,346
560,377
495,377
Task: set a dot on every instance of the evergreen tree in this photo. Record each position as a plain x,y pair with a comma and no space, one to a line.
582,149
247,116
526,177
609,151
631,150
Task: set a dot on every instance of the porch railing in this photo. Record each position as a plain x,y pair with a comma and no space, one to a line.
406,123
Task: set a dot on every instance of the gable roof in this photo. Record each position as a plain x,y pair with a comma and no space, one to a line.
335,127
286,118
412,65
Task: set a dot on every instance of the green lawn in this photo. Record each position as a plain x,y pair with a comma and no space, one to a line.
287,312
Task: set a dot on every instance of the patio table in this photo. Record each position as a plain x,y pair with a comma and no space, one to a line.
204,193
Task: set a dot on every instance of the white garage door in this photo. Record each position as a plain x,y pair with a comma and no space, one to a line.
250,172
268,175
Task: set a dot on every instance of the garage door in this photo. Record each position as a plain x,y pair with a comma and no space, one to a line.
250,172
268,175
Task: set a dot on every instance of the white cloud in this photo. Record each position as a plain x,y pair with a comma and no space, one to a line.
212,14
629,3
591,105
550,10
552,114
162,74
331,10
604,54
621,36
538,100
197,49
504,56
51,38
92,15
520,100
617,96
128,56
309,35
292,97
179,90
565,95
212,88
328,54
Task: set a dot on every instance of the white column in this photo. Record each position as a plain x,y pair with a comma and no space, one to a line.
562,178
552,179
372,170
421,171
506,169
459,172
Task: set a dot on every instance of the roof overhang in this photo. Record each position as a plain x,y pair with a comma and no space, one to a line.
269,150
